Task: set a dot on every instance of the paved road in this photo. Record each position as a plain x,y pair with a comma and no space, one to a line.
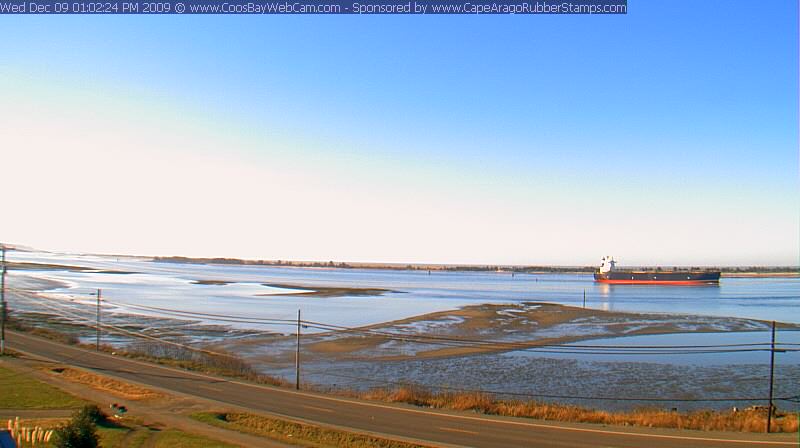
396,421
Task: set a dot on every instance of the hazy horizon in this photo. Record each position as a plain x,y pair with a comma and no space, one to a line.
666,136
27,248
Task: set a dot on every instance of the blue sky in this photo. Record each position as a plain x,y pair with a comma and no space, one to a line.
667,135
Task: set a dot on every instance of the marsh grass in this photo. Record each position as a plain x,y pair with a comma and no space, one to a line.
53,335
222,364
707,420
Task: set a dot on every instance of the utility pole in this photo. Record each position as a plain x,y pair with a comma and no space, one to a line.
3,310
297,356
771,375
97,324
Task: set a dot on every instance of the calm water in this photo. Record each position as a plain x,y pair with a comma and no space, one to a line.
760,353
169,285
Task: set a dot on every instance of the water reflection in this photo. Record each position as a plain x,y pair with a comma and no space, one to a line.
171,285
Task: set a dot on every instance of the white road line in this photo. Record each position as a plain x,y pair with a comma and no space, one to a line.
316,408
444,428
209,387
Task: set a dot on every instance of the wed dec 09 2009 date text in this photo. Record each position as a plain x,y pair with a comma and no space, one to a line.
131,7
317,7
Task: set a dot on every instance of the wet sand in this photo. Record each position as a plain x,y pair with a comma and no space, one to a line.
498,328
24,266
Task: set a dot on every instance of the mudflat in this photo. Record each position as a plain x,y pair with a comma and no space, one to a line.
491,328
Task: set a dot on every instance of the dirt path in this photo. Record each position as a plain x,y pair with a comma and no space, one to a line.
34,413
136,434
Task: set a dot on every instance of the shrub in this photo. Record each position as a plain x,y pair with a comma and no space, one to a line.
80,431
93,413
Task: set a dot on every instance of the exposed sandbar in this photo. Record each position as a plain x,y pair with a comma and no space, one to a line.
327,291
212,282
498,328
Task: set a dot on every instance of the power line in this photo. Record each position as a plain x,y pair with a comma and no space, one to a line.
218,317
331,327
534,395
493,392
87,322
139,334
3,305
577,348
180,313
473,343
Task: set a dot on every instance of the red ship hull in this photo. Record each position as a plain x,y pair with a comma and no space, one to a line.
658,277
657,282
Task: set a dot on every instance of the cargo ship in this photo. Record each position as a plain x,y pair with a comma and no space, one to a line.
608,273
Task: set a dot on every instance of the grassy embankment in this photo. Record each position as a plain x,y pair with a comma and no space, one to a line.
104,383
296,433
21,392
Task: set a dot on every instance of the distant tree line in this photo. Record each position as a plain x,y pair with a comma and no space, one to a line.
238,261
344,265
445,267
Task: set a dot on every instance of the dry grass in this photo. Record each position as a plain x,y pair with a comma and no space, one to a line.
297,433
46,423
107,384
742,421
53,335
222,364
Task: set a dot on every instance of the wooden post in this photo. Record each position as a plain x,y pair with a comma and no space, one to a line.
97,323
3,311
771,376
297,356
584,298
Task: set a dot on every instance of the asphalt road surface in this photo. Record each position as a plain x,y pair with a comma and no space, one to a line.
401,422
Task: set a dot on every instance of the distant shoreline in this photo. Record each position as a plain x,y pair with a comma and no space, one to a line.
729,272
759,274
